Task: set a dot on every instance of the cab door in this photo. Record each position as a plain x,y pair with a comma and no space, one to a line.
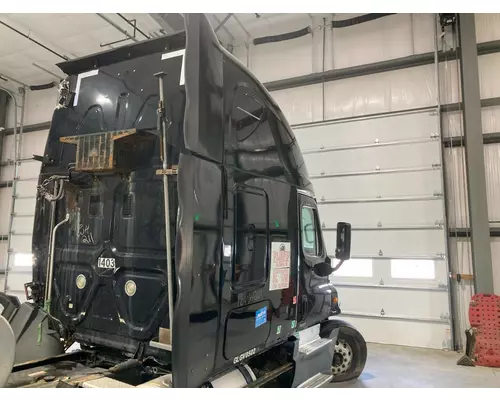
314,290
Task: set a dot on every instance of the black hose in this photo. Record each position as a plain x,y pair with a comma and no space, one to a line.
358,20
42,87
284,36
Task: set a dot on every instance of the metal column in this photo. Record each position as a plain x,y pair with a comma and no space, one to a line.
3,117
474,156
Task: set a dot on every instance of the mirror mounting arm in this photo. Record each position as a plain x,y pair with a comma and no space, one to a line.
339,264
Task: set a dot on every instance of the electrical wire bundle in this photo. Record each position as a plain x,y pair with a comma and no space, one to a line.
44,191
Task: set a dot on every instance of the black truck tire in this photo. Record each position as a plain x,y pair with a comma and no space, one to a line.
350,352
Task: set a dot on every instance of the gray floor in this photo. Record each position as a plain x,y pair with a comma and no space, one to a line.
407,367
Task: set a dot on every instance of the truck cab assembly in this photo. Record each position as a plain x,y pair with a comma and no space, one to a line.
177,238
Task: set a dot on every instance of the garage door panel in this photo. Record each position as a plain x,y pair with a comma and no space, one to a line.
25,206
22,225
369,159
33,143
21,243
403,333
394,302
3,256
5,199
388,213
17,279
29,169
382,185
6,173
26,188
356,132
4,221
409,243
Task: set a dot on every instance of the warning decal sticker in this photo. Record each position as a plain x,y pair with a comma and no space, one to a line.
280,266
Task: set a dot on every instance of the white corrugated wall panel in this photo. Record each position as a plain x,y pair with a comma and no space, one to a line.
458,212
378,40
289,58
423,33
492,164
386,91
489,84
487,27
302,104
456,189
453,124
490,117
495,256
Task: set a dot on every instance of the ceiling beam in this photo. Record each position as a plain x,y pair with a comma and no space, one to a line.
226,18
170,23
118,28
219,22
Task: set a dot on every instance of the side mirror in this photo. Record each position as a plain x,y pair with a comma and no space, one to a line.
343,248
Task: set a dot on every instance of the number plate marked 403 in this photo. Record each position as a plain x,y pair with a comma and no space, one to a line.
108,263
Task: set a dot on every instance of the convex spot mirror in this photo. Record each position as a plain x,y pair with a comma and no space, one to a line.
343,247
323,269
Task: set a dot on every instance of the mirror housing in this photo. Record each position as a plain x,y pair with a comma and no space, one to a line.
323,269
343,247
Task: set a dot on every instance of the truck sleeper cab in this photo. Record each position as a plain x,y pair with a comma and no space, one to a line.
249,264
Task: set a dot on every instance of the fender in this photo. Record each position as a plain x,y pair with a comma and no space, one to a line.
330,328
10,306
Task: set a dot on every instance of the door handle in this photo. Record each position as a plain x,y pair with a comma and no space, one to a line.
304,306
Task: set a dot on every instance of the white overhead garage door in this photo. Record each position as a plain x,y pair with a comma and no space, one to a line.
383,175
20,260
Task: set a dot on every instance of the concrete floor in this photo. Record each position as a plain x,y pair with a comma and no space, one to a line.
407,367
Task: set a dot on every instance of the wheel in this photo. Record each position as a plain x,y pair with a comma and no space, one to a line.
349,355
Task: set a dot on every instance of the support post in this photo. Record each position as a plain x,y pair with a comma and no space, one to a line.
474,156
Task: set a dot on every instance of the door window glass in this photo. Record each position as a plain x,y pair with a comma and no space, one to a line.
309,231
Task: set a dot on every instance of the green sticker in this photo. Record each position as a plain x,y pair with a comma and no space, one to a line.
276,224
278,331
196,217
294,323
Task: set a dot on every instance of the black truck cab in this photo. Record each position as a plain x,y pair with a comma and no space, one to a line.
250,266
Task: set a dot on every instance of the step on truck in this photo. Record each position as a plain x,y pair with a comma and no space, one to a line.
177,240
